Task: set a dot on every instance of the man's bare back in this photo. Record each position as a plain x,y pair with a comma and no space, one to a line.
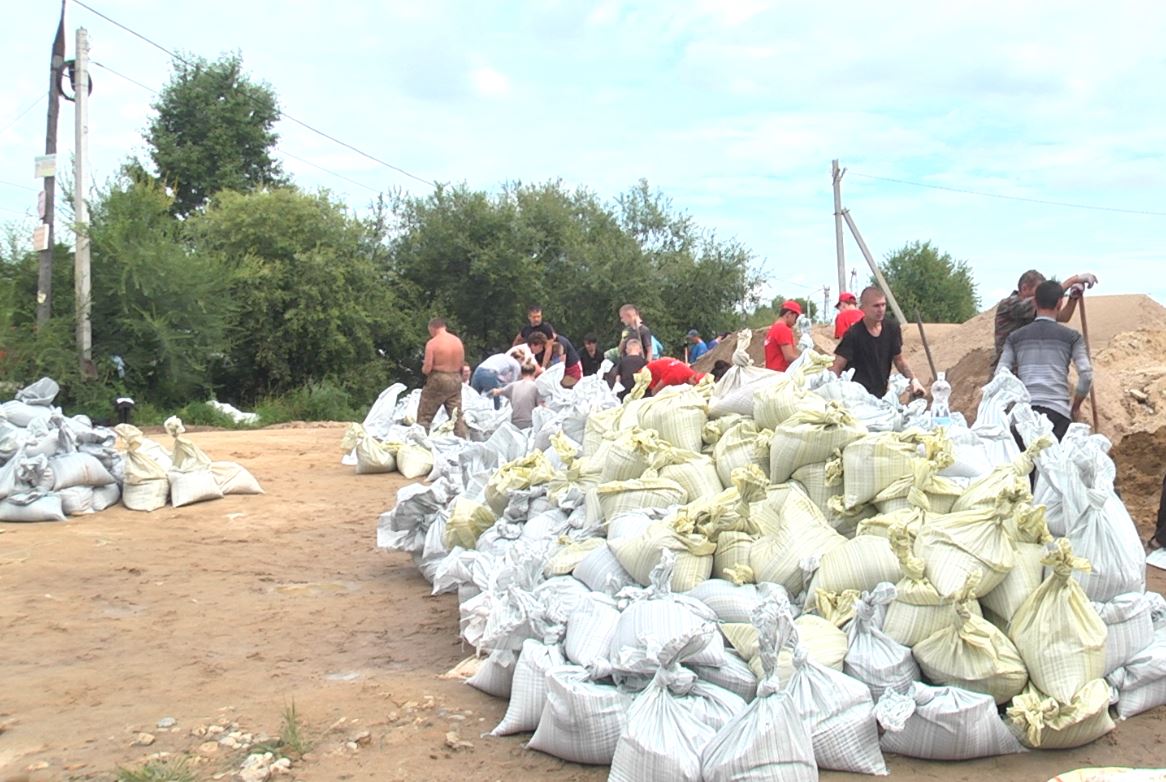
444,353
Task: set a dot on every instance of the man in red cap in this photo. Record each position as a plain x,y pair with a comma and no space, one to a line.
780,344
671,372
848,313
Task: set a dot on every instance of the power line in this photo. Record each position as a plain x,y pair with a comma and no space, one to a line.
22,187
1000,196
284,152
23,111
283,114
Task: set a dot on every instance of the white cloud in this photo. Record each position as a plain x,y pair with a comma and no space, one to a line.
489,83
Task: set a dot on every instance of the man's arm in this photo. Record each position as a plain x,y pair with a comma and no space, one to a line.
1007,356
904,368
790,352
427,364
646,339
1084,375
839,365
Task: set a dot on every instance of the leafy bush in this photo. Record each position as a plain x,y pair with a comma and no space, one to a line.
323,401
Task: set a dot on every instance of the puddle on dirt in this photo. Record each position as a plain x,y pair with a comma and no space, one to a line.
318,588
349,676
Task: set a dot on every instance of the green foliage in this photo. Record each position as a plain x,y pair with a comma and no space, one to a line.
933,284
159,306
163,770
213,131
323,401
763,317
310,300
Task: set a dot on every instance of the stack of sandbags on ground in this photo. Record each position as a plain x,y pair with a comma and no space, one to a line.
195,477
52,466
609,585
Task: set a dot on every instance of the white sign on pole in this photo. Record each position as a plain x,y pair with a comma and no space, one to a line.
40,238
46,166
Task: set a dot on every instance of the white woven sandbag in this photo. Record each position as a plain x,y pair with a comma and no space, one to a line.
624,496
1103,533
734,392
77,500
145,496
974,654
78,469
589,630
768,740
663,739
732,552
414,460
819,482
601,572
729,601
189,487
794,531
780,400
641,554
733,674
372,455
107,496
21,414
1129,628
872,658
39,394
678,416
567,553
1045,723
1032,535
234,478
872,463
31,507
528,691
810,437
631,453
824,643
1058,633
581,720
741,445
1141,682
861,564
697,474
839,714
495,674
918,610
957,545
943,723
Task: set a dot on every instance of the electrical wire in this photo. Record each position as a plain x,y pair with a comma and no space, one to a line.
22,187
283,114
1000,196
20,116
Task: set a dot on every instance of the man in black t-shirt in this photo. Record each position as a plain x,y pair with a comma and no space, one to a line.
536,324
872,345
591,357
634,328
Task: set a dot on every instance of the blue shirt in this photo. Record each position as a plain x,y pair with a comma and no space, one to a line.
696,351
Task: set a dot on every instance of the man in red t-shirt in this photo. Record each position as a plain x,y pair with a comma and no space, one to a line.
848,313
780,345
671,372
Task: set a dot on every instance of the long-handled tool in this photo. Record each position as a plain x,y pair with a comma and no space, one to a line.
926,347
1089,353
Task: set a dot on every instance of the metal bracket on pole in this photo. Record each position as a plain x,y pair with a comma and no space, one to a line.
874,267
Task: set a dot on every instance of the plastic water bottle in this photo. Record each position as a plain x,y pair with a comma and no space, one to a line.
940,394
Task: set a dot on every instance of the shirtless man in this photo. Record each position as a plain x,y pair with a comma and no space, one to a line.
444,357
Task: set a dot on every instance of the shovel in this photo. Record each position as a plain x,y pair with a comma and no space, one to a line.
1089,353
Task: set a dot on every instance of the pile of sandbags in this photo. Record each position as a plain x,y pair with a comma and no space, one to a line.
52,466
748,580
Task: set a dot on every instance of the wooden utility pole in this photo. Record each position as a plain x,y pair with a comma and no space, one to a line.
836,175
81,254
874,267
44,277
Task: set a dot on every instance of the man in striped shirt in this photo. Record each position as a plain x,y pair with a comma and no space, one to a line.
1041,353
1019,309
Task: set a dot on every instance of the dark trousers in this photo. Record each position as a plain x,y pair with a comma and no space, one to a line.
1160,533
1060,426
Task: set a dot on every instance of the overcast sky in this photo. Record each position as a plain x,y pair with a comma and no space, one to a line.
733,108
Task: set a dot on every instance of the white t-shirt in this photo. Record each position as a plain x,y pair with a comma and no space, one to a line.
504,366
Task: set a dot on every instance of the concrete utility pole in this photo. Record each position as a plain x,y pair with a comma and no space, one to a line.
826,303
44,276
874,267
836,174
81,255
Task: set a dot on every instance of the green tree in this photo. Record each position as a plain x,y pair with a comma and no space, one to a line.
764,316
213,131
931,283
312,299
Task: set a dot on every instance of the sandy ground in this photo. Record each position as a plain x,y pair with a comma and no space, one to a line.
228,611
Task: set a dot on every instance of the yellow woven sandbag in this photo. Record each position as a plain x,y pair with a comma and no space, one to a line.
955,545
918,610
862,563
695,472
623,496
414,460
742,444
1058,632
640,554
599,424
640,387
922,488
732,552
816,480
534,469
715,429
1007,485
1045,723
972,653
824,643
782,399
727,511
467,521
910,518
569,554
811,436
631,453
792,531
678,417
786,500
1032,535
837,608
872,463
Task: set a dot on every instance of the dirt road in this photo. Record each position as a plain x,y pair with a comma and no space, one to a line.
219,615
